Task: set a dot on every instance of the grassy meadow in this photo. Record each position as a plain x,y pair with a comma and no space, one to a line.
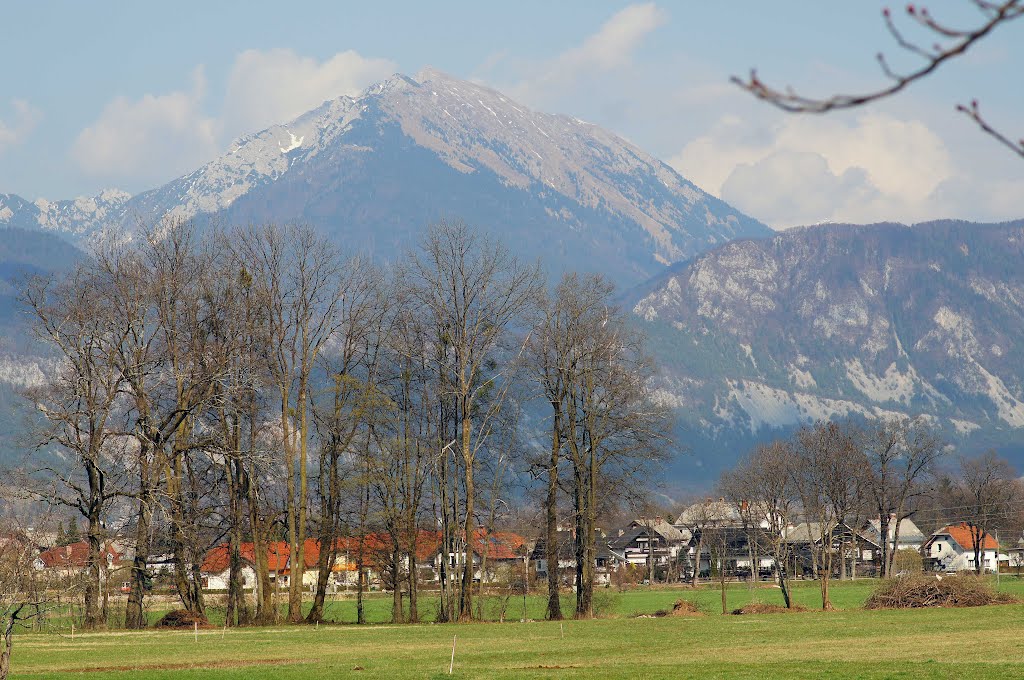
850,642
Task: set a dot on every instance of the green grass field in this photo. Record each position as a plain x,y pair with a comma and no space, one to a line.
981,642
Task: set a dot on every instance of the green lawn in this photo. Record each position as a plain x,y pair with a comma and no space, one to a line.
983,642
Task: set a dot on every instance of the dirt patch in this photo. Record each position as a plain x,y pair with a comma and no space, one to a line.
212,665
180,618
680,608
685,608
921,590
762,608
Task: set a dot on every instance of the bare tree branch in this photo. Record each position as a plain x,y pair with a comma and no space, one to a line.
953,43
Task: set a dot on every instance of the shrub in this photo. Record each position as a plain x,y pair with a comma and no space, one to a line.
921,590
908,560
605,602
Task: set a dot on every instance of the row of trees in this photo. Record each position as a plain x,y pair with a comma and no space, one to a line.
253,384
831,476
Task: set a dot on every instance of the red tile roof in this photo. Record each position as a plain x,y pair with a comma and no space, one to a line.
74,555
500,545
961,533
218,558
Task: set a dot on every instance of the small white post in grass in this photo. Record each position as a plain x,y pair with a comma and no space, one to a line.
451,666
195,630
561,627
72,632
318,624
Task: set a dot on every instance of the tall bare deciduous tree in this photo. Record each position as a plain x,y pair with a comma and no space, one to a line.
829,477
297,277
984,493
902,456
614,431
83,408
474,291
766,482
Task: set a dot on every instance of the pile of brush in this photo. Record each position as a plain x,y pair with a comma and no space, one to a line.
922,590
762,608
181,618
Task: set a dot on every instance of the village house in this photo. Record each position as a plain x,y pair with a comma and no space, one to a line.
734,549
498,548
860,554
566,557
640,539
216,567
708,513
951,549
70,561
910,537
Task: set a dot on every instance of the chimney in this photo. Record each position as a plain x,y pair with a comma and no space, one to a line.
620,532
658,519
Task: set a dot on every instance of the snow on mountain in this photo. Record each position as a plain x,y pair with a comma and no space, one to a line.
77,217
760,336
375,169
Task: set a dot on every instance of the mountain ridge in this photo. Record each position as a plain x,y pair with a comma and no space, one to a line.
861,321
369,168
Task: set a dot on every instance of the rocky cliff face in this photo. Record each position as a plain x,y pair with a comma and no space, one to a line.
375,169
886,320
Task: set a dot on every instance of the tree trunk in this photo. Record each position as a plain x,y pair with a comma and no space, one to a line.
298,562
696,562
5,654
551,551
397,615
784,585
360,588
93,615
883,525
721,580
466,593
134,618
414,615
650,557
265,612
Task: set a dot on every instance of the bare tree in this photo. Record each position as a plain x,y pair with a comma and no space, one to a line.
473,290
765,481
985,491
902,456
23,596
354,401
296,275
614,430
829,477
83,408
949,43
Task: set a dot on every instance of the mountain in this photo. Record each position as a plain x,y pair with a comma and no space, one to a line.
23,361
758,336
375,169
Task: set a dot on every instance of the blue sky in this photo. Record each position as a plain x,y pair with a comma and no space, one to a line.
131,95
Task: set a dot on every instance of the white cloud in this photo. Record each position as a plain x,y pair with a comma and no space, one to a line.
149,139
137,143
804,170
610,48
274,86
20,125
